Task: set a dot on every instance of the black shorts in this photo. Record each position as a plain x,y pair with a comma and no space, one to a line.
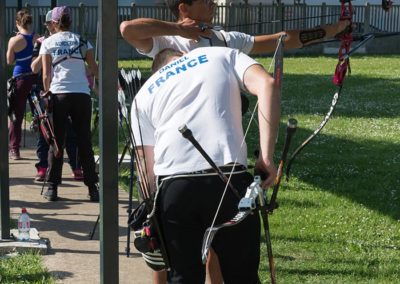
187,208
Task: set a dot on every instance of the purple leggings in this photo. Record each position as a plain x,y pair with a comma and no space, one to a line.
24,86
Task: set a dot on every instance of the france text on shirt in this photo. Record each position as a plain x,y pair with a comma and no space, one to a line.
65,47
178,66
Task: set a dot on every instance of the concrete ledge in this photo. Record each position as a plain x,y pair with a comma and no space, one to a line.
36,244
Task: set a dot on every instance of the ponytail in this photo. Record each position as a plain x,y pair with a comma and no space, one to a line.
24,18
65,22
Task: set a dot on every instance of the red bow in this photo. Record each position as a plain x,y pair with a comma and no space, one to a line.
346,39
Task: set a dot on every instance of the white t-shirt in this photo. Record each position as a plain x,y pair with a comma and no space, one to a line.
69,76
237,40
202,90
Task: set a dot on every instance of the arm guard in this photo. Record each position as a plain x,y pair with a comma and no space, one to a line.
311,35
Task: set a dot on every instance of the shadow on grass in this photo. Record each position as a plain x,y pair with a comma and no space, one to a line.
365,171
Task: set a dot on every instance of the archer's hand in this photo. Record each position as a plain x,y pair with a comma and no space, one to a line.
268,170
191,29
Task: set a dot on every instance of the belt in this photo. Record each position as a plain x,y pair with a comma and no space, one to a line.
23,75
227,169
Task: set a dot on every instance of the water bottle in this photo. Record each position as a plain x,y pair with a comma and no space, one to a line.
24,226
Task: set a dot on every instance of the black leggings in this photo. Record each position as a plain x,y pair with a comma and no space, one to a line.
79,107
186,209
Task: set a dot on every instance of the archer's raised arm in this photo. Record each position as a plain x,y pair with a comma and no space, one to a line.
298,38
139,32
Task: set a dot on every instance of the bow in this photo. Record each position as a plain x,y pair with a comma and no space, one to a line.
43,118
342,68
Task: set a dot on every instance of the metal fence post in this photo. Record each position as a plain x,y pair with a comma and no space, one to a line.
323,14
81,22
280,17
303,9
367,18
259,26
231,14
108,142
133,11
133,16
246,17
4,170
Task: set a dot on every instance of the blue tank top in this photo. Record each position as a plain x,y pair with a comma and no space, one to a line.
23,58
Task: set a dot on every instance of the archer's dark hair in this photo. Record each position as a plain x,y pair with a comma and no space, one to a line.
65,22
173,6
163,57
24,18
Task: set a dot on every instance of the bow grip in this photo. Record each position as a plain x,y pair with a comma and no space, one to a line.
262,175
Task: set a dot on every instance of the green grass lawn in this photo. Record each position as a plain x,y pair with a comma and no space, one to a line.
25,268
339,215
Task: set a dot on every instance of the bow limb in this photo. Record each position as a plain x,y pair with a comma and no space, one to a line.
343,65
266,209
212,231
343,60
315,133
278,70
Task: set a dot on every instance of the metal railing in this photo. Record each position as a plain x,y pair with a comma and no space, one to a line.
252,19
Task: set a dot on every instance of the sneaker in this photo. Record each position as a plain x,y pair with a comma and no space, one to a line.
51,194
94,193
14,154
41,174
78,174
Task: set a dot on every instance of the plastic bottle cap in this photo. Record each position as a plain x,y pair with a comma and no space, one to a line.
23,210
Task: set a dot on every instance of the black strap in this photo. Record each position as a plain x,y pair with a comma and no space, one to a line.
217,39
82,43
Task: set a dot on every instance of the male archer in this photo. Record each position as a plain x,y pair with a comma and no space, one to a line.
194,29
185,90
